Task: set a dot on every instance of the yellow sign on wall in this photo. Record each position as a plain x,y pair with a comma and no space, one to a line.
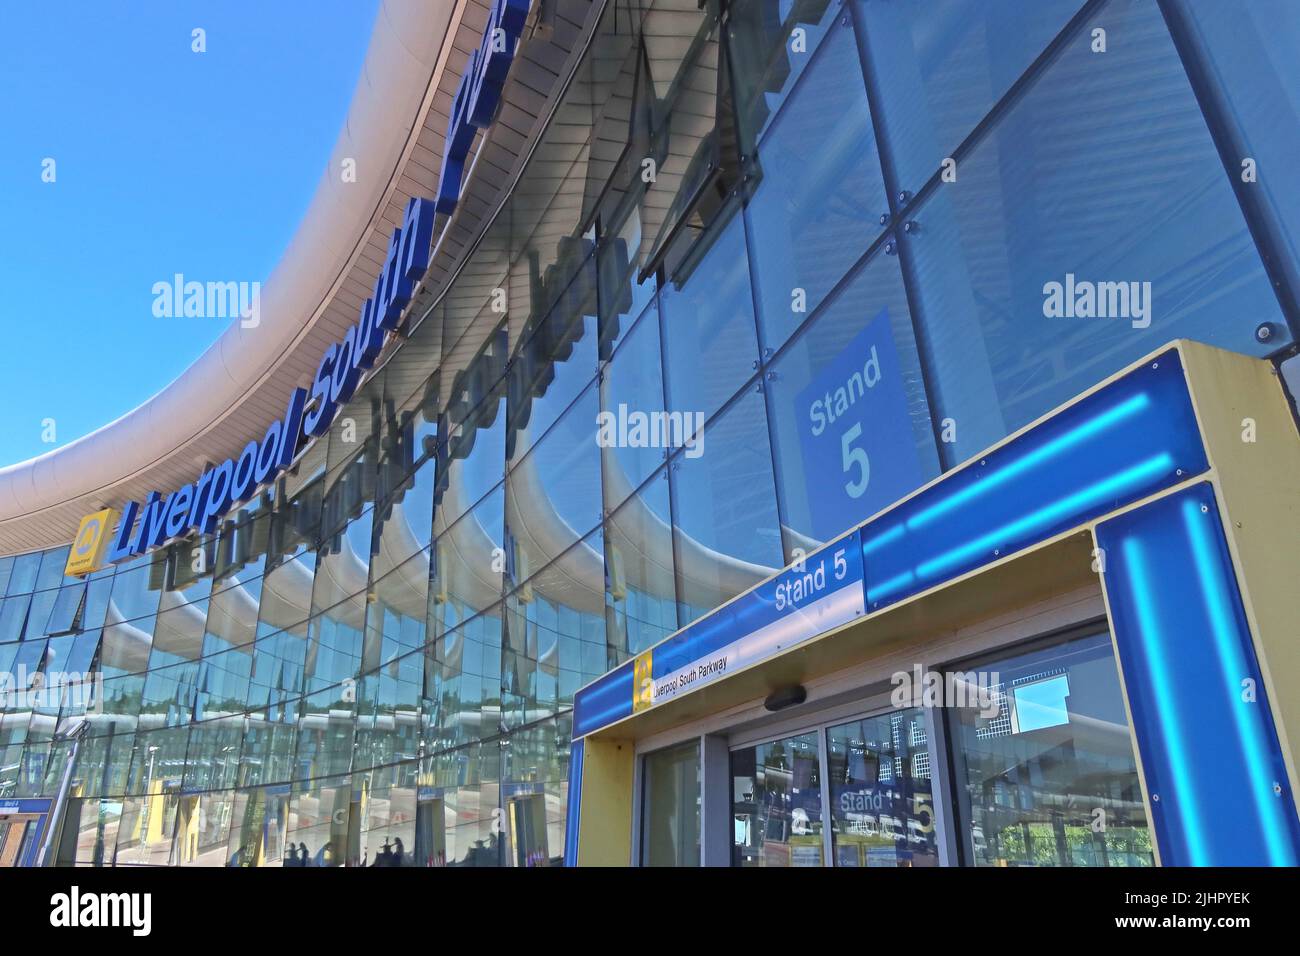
91,541
642,682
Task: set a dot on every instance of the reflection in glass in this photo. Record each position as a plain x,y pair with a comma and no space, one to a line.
728,533
670,834
1048,268
776,803
1051,778
882,796
820,194
640,588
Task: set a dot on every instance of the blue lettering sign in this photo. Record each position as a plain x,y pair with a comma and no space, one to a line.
478,94
198,506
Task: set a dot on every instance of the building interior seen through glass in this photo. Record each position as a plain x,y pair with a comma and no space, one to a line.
374,662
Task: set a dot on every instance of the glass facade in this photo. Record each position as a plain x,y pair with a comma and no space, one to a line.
797,256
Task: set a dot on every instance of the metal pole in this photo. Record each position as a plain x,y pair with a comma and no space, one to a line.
54,823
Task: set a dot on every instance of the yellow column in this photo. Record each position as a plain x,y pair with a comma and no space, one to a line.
605,827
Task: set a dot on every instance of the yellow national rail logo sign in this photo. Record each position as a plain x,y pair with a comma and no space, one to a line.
642,683
91,541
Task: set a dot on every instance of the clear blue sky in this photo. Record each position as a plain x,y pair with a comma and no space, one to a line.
167,161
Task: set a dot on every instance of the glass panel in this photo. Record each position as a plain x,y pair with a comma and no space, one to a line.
1053,261
555,634
462,673
850,418
554,364
820,192
53,562
938,67
63,616
670,833
776,803
474,458
553,495
13,617
728,534
1251,49
1046,765
640,589
22,578
882,797
711,346
769,45
632,404
467,562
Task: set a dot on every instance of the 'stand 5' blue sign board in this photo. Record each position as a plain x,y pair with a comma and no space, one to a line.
478,94
822,593
859,453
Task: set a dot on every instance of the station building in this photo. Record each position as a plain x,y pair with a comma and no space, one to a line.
712,432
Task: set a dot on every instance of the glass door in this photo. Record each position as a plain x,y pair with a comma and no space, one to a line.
776,803
881,795
853,793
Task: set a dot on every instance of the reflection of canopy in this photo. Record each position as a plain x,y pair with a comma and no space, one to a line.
286,594
232,613
126,646
703,572
466,561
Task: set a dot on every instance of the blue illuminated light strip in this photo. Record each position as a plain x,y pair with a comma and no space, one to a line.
573,815
878,541
1211,757
1161,675
1039,456
604,701
1130,439
1042,518
1036,520
1232,658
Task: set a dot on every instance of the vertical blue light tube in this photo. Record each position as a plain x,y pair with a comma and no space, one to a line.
574,811
1213,766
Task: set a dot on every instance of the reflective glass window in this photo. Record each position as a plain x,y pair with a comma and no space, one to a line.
938,67
553,495
1251,52
707,310
22,577
641,603
1044,763
820,192
850,418
728,535
630,430
1053,261
670,813
881,791
776,803
467,563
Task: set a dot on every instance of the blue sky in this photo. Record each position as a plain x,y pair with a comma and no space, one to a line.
167,161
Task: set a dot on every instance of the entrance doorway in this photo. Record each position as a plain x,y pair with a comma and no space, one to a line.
18,834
